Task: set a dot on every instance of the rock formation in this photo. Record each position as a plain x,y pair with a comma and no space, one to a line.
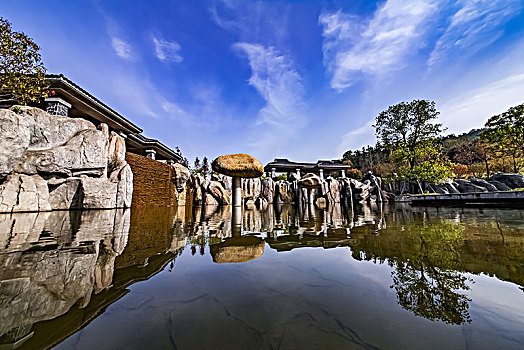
50,162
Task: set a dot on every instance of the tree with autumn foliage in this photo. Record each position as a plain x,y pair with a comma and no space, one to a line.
22,73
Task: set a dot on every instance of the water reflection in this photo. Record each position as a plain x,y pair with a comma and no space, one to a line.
61,270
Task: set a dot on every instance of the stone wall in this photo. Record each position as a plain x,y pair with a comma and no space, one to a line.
50,162
155,183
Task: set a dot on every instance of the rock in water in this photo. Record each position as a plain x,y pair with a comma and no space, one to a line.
238,165
181,177
310,181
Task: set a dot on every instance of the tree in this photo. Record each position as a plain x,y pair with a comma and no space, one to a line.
506,133
206,169
406,125
22,73
197,163
408,130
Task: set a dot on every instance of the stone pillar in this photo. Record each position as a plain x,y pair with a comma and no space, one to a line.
57,106
151,153
343,173
298,173
273,171
321,173
237,191
236,218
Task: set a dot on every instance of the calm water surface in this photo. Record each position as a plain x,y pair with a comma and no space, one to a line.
391,277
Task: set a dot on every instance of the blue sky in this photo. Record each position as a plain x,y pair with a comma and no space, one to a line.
296,79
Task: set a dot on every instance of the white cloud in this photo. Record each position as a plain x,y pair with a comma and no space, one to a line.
277,81
123,49
476,24
378,47
358,138
472,109
167,51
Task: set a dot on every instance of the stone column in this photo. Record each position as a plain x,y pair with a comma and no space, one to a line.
236,221
57,106
343,173
321,173
237,191
151,153
273,171
298,173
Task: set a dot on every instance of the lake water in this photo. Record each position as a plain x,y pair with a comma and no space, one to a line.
391,277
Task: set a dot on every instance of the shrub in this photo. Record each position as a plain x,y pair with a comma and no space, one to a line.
354,174
461,171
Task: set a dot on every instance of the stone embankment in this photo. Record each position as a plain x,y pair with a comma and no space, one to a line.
50,162
322,192
263,191
497,183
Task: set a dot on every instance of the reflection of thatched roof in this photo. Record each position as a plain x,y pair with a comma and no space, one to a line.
240,165
237,249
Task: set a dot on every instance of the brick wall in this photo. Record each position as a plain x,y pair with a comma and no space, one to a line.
152,185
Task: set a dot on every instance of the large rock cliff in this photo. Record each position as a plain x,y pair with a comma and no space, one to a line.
50,162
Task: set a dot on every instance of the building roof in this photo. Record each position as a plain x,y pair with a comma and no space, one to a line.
285,165
85,105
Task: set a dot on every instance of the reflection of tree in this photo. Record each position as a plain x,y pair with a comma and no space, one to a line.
427,283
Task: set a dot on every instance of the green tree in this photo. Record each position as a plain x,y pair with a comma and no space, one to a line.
197,164
506,134
206,169
22,73
409,131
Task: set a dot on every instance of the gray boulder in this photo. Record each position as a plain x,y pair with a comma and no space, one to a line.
98,193
181,177
24,193
451,187
510,180
15,137
499,185
465,186
483,183
124,191
66,194
86,151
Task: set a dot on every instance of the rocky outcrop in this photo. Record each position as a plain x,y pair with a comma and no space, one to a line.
511,180
465,186
50,162
181,177
483,183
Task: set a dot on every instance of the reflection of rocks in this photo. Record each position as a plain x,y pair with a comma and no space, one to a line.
237,249
53,260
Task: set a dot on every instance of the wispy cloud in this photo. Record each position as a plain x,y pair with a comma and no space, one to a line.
275,78
476,24
123,49
357,138
252,21
352,48
473,108
167,51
